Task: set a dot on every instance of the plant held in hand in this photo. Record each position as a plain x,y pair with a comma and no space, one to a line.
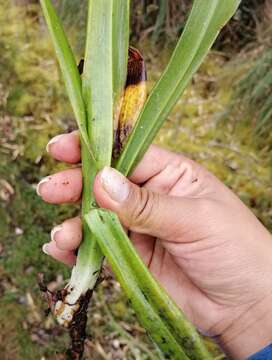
116,127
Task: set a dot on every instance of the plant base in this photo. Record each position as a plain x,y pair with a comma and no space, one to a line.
77,320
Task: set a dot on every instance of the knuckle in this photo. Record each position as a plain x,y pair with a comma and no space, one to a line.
143,209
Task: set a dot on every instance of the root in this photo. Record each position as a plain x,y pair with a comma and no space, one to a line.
77,329
77,325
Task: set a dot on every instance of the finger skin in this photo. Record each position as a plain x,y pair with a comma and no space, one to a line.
66,257
65,147
63,187
146,212
153,162
144,244
162,183
68,235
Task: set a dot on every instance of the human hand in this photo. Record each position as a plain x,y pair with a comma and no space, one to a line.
197,238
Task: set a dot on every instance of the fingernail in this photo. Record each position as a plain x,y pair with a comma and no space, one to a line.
45,249
43,181
115,184
53,141
55,230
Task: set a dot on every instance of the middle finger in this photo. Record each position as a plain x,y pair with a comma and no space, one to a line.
62,187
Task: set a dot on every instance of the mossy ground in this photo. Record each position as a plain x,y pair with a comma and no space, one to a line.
33,108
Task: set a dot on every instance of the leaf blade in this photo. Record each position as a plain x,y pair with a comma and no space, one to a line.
120,39
68,66
160,316
203,25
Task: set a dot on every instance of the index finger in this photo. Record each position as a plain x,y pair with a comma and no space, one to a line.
66,147
154,161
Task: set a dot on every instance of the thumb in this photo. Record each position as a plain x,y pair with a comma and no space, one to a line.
144,211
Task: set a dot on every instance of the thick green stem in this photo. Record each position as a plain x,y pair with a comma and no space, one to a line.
103,82
162,319
90,257
89,260
97,89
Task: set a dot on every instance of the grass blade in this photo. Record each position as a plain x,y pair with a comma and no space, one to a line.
120,40
205,21
68,66
162,319
105,71
97,80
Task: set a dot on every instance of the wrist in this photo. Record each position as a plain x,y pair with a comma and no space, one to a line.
250,333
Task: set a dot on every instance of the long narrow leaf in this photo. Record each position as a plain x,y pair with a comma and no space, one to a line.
205,21
104,71
163,320
68,66
108,24
120,41
97,87
104,78
105,59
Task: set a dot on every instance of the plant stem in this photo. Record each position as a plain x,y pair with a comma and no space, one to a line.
89,260
103,83
101,87
159,315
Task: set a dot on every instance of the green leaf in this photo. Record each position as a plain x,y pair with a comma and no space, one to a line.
120,40
105,59
103,81
205,21
104,71
162,319
68,66
108,24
